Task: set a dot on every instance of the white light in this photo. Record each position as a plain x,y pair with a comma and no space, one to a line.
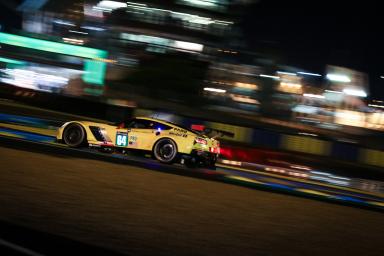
286,73
268,76
333,91
188,46
300,167
214,90
308,134
310,95
354,92
244,99
101,9
375,106
78,32
308,74
111,4
338,78
93,28
132,3
382,77
61,22
73,40
201,2
224,161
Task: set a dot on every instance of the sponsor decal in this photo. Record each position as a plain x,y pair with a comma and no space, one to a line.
132,141
179,130
178,134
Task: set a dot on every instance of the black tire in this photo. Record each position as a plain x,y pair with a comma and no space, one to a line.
74,135
165,151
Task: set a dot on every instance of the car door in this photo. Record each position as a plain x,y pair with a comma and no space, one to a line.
141,134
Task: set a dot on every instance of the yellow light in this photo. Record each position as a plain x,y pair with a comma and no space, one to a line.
245,99
246,85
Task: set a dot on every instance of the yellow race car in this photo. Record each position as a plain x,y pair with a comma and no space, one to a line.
166,141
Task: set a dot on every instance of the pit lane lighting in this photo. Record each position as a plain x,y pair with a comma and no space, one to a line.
331,91
231,162
293,85
338,78
308,74
286,73
300,167
188,46
310,95
138,4
202,2
78,32
210,89
246,85
308,134
268,76
382,77
93,28
375,106
353,92
66,23
111,5
73,40
244,99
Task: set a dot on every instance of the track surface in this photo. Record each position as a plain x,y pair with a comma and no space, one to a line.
142,212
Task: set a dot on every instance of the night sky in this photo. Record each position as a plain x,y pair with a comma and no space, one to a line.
315,33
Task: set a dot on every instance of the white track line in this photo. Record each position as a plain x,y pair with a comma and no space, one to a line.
19,248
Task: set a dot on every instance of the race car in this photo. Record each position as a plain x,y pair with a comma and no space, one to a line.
167,142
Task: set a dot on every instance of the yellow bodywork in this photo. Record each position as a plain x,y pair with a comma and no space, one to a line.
144,138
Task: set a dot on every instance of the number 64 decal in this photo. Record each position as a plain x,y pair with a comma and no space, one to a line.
121,139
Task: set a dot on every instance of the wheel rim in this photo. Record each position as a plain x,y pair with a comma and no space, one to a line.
73,136
165,151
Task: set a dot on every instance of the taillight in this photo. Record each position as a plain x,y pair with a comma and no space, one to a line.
201,141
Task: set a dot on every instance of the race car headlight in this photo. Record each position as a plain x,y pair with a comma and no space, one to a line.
201,141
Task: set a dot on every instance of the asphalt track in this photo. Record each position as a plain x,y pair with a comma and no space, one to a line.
143,212
97,203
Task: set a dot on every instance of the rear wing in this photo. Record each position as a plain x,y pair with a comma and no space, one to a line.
201,129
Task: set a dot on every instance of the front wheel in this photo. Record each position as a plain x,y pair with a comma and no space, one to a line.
165,150
74,135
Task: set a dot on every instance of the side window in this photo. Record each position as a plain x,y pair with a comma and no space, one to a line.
138,124
147,124
160,126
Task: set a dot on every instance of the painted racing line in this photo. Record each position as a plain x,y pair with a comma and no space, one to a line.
229,174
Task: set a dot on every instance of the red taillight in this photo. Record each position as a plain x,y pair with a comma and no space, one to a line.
214,150
201,141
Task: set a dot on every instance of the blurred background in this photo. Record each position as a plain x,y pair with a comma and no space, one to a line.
300,85
246,63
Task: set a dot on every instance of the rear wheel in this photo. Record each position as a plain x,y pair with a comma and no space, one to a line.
74,135
165,150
